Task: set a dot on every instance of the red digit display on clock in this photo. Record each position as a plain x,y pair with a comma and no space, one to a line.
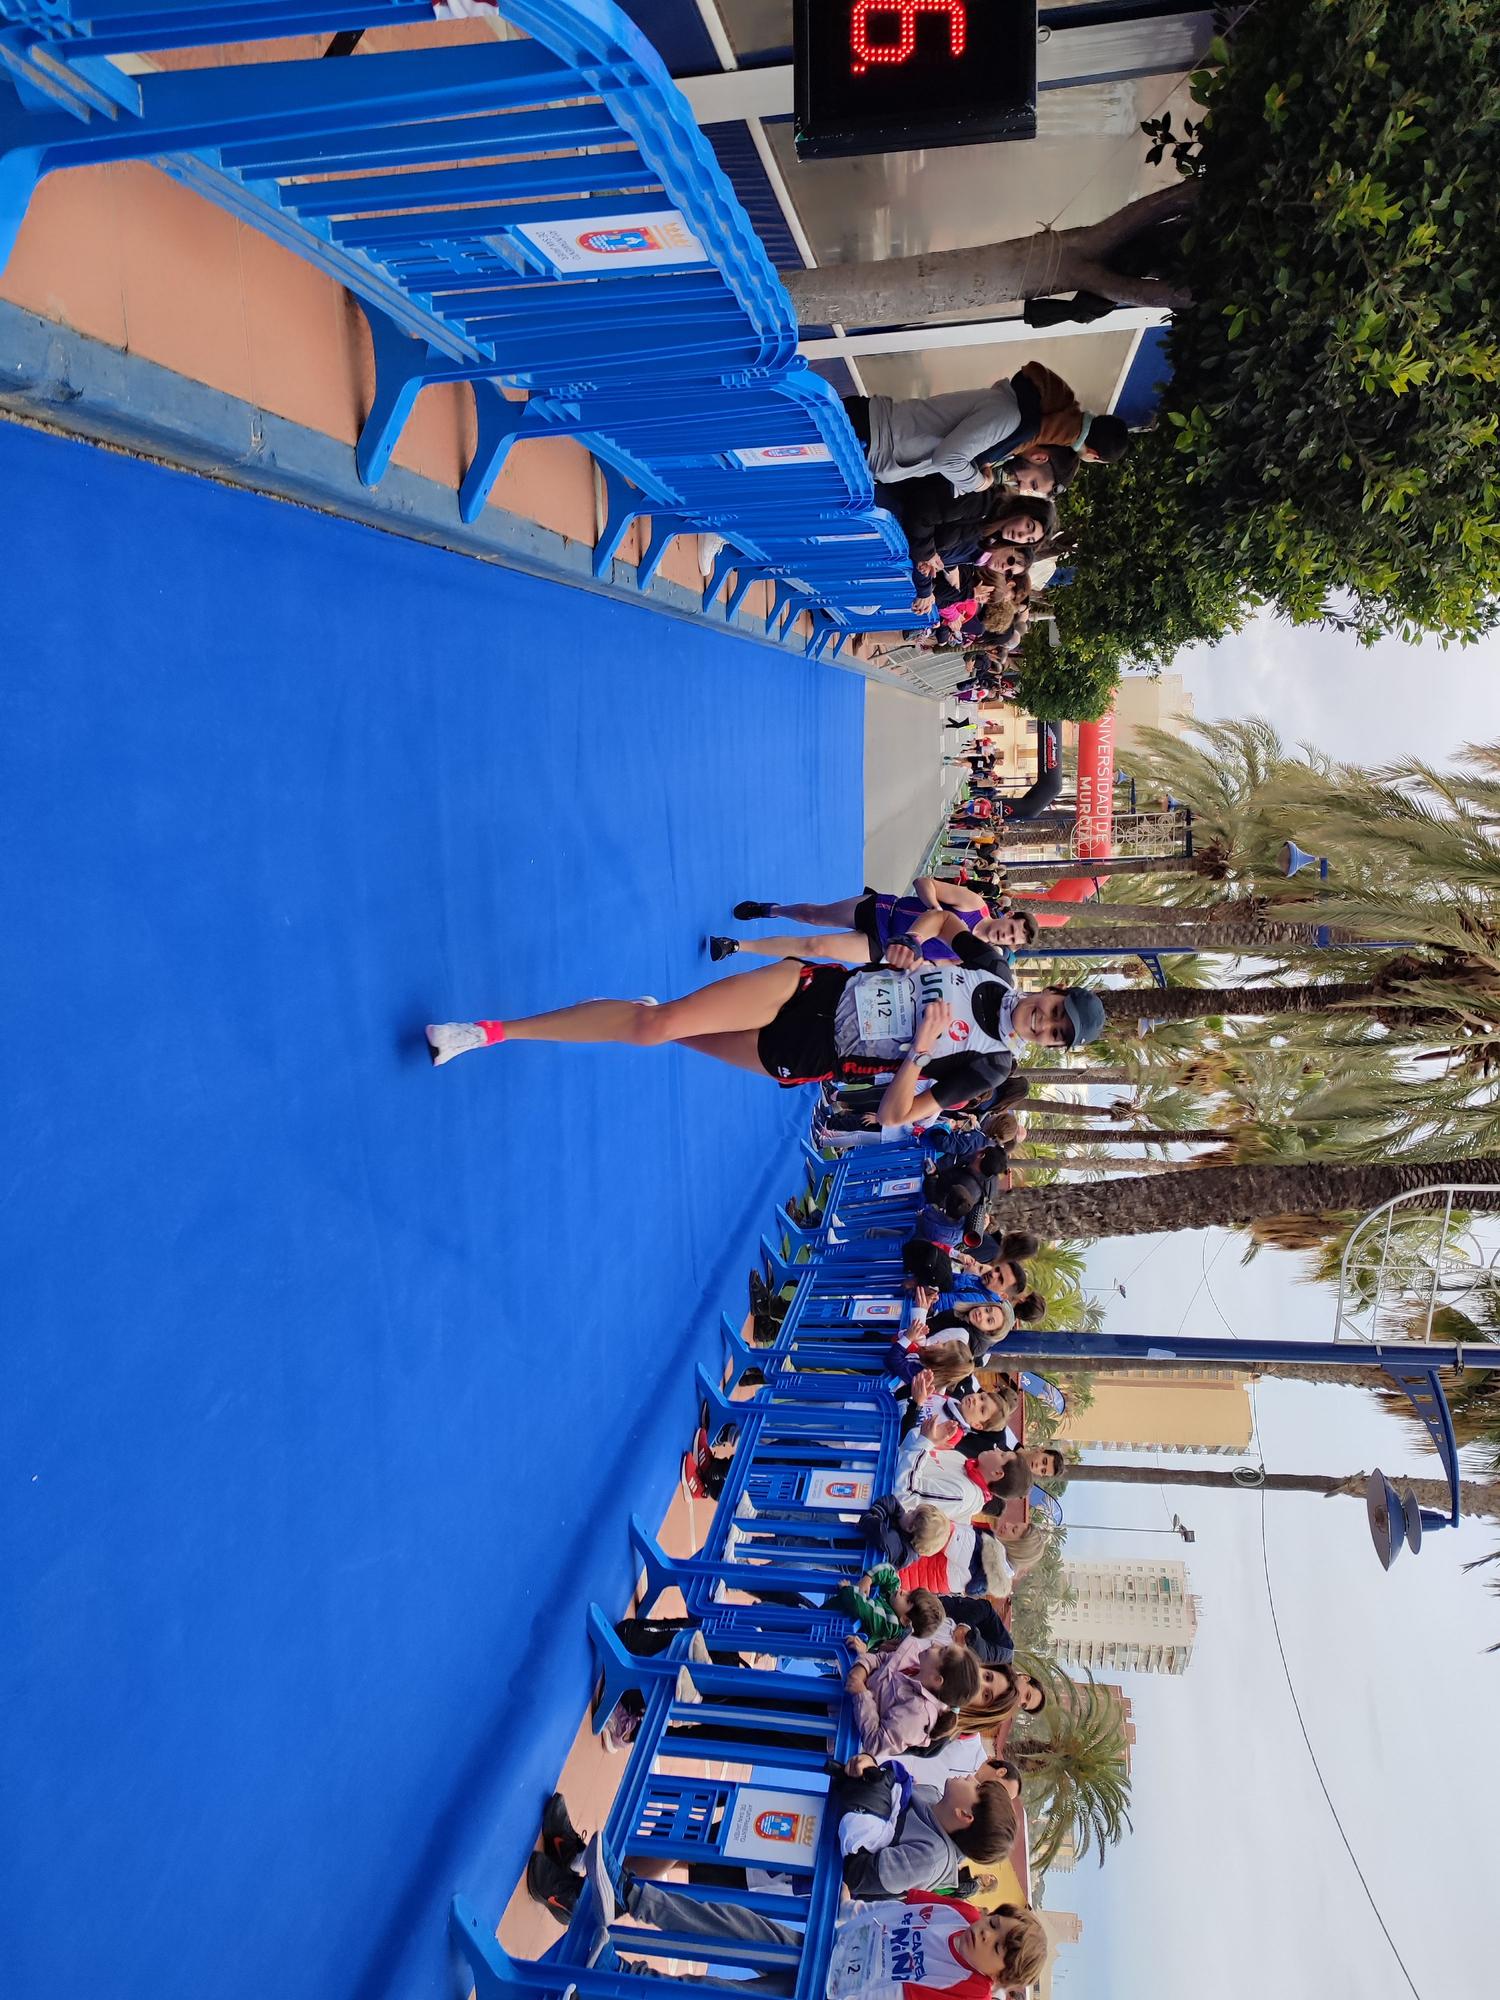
864,53
883,76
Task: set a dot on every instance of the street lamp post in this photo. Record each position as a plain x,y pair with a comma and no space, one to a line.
1112,1528
1294,858
1395,1521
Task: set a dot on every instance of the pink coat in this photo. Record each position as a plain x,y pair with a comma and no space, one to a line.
895,1712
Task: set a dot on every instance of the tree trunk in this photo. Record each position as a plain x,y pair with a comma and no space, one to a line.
1242,938
1227,1197
900,291
1105,1163
1479,1498
1177,915
1039,1074
1130,864
1127,1135
1191,1003
1059,1107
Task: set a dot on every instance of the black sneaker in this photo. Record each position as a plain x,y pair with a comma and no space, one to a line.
560,1838
761,1294
749,913
722,947
556,1888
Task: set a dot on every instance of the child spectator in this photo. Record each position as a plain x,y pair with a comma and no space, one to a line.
984,1631
959,1418
957,1486
883,1610
905,1535
959,435
897,1835
919,1947
908,1696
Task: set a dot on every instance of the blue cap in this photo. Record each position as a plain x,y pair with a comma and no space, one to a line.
1086,1011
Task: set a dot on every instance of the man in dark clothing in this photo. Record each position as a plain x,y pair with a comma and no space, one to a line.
989,1636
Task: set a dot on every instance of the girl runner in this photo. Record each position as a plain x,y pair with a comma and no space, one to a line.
949,1032
868,923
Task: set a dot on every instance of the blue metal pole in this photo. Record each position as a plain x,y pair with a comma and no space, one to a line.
1151,1350
1324,937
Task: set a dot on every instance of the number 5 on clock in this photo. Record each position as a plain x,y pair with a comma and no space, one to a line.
863,52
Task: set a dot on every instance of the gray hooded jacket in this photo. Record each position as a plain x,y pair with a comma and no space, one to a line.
942,434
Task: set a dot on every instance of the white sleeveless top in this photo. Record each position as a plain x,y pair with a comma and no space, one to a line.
878,1012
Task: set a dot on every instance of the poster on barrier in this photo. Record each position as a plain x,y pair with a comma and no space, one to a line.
598,243
876,1309
782,454
779,1828
845,1492
912,1185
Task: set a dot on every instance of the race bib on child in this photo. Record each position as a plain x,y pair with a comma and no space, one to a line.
893,1950
857,1954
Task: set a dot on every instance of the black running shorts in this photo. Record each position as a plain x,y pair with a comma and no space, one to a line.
798,1046
867,926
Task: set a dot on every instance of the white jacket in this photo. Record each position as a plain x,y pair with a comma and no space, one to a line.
939,1477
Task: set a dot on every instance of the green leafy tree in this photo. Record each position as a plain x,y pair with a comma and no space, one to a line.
1059,684
1148,580
1334,397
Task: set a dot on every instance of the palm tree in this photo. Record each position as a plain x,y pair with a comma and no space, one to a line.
1063,1107
1455,995
1205,862
1480,1498
1179,916
1100,1162
1230,773
1079,1073
1074,1762
1258,937
1228,1197
1130,1135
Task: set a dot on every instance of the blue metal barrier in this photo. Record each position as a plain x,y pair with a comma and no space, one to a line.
813,1450
126,27
539,214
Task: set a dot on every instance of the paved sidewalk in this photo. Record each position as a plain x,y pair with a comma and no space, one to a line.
906,785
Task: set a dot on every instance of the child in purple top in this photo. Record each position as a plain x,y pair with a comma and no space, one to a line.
927,920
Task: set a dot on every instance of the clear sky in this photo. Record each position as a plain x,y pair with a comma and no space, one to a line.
1235,1884
1362,704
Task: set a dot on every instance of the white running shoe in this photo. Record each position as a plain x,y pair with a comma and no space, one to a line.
686,1691
708,553
447,1039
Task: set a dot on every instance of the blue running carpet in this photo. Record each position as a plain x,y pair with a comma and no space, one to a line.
328,1380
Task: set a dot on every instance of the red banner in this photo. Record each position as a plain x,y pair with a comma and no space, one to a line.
1096,788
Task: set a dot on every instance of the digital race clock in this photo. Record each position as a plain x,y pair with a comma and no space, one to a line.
885,76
